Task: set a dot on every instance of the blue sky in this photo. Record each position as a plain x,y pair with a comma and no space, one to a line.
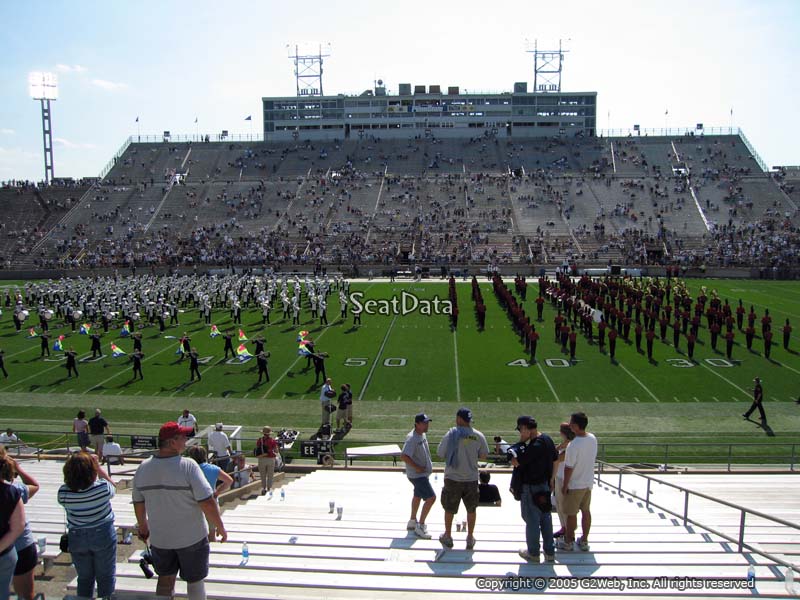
169,62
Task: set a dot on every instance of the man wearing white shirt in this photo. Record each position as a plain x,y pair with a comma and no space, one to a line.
219,443
9,437
578,479
112,452
187,419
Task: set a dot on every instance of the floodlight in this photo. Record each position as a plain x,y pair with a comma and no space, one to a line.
43,86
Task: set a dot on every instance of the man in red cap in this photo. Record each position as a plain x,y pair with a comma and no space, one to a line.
171,496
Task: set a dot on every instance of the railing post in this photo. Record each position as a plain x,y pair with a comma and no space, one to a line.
791,462
730,454
685,507
666,456
741,530
647,496
619,484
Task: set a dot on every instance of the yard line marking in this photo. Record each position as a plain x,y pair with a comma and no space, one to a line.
695,399
377,358
517,398
790,368
69,391
208,395
140,391
455,349
380,398
399,398
550,385
714,398
636,379
40,373
636,399
21,351
419,398
498,398
125,370
745,392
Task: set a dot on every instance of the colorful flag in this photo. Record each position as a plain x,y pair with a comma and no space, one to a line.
126,329
116,351
57,344
84,330
32,333
249,118
302,350
242,353
242,336
180,348
214,331
301,335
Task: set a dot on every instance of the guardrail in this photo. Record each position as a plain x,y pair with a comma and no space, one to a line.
739,540
667,131
668,453
753,152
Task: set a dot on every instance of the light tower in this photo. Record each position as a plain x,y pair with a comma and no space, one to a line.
308,67
44,87
547,68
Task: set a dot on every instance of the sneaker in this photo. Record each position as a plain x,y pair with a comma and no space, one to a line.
421,531
549,557
583,545
534,558
446,540
411,525
565,546
470,542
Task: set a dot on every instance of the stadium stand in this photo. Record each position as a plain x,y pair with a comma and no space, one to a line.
691,200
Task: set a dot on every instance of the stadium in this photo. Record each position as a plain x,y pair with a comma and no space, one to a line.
438,251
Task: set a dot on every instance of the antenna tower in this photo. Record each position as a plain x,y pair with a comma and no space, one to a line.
308,67
547,66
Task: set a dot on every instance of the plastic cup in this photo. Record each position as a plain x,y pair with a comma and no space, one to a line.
331,506
339,511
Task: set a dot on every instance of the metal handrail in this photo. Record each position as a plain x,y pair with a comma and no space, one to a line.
743,511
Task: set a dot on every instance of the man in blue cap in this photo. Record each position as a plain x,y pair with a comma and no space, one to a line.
417,457
461,447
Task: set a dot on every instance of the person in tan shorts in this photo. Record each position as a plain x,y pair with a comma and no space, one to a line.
579,462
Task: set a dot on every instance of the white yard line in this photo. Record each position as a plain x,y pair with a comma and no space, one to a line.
550,385
377,358
744,391
458,383
169,347
60,365
636,379
21,351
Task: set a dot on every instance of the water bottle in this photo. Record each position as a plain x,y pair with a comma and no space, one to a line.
245,553
751,573
788,581
283,494
128,538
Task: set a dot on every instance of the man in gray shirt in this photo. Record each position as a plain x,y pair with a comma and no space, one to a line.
417,457
461,447
170,498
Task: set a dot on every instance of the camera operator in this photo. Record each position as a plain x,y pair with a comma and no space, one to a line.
170,497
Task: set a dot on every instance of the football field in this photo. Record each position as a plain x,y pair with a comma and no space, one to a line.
405,358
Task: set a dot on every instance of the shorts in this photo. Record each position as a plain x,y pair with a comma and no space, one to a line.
97,440
27,559
422,487
192,561
576,500
456,491
83,439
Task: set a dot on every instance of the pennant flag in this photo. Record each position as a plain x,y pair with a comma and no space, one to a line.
57,344
126,329
214,331
84,330
180,348
195,119
242,336
116,351
301,335
137,119
303,351
242,353
249,118
32,333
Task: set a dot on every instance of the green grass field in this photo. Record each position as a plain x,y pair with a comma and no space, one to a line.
400,365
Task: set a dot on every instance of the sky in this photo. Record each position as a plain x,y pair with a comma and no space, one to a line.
169,62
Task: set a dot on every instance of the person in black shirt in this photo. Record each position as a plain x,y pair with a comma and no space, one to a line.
95,337
261,361
488,494
344,412
229,344
45,340
136,359
137,341
194,365
72,363
532,459
319,366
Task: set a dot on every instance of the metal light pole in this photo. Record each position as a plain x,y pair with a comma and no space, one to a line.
44,87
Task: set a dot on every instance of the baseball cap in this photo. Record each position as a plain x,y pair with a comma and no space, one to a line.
465,414
218,426
422,418
526,421
171,429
